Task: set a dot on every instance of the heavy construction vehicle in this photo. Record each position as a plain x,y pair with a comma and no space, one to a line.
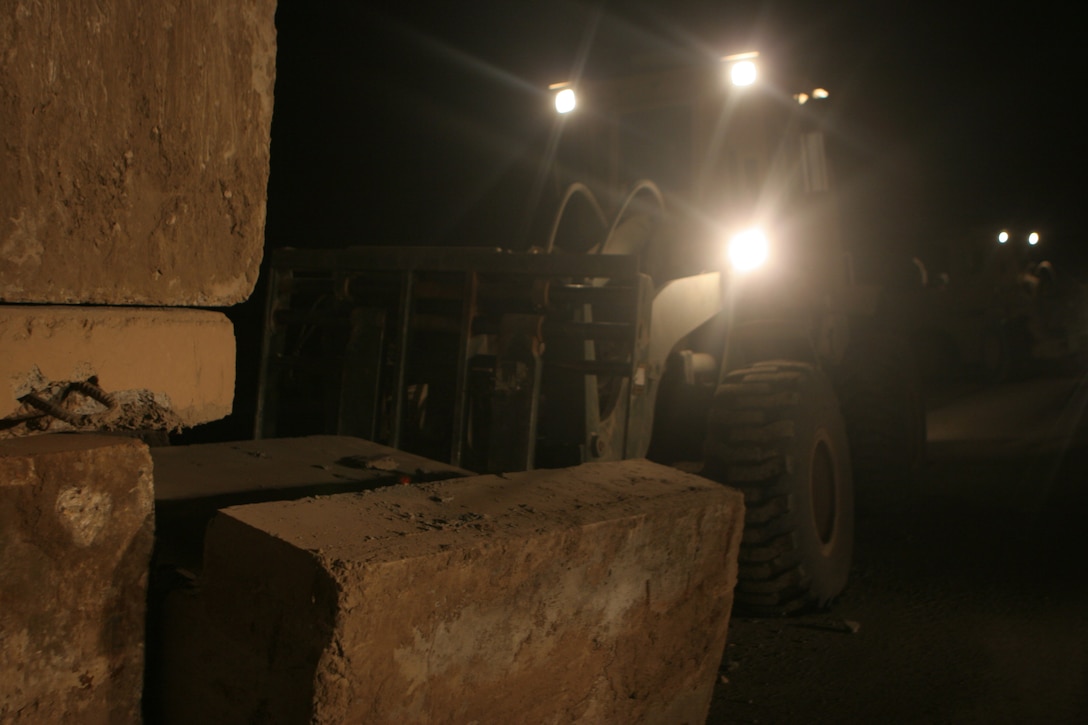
691,302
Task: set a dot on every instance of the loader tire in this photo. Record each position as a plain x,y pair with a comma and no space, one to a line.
775,433
880,387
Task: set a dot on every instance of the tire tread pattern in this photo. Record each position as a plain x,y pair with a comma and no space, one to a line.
752,453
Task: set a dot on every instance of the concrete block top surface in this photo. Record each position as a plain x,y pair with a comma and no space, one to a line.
386,524
162,368
12,451
313,463
193,482
136,150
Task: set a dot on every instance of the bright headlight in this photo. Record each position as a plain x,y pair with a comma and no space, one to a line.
565,100
1002,237
743,73
742,68
748,250
1033,238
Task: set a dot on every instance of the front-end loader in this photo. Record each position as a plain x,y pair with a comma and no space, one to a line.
691,301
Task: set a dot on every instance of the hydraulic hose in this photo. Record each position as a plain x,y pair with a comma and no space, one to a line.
573,190
644,185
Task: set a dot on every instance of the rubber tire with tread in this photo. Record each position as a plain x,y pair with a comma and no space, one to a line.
775,432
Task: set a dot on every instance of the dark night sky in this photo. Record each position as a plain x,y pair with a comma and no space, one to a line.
409,123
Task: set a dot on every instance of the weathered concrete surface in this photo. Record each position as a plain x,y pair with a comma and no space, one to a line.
136,150
75,541
273,465
193,482
166,367
595,594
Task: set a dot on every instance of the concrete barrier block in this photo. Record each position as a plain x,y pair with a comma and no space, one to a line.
192,483
164,368
595,594
136,150
76,531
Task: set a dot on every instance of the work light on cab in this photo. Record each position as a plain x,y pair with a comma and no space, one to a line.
748,250
565,99
742,68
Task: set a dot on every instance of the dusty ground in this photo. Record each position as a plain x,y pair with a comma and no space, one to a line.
969,600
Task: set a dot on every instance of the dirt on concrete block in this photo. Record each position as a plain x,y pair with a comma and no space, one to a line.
161,368
193,482
595,594
76,532
136,150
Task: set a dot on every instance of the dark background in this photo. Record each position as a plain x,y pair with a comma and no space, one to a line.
416,123
410,123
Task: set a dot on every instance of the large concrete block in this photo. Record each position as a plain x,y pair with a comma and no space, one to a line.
75,541
193,482
594,594
136,150
164,368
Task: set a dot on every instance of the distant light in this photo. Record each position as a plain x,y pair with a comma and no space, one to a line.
820,93
748,250
743,73
1002,237
1033,238
565,100
801,98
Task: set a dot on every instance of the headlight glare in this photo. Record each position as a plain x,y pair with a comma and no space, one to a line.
748,250
742,68
743,73
565,100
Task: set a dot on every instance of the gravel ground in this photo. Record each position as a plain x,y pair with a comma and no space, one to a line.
969,597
